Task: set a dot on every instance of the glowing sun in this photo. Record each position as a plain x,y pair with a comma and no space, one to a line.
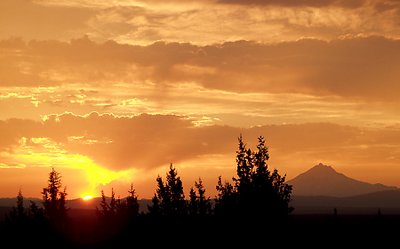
87,197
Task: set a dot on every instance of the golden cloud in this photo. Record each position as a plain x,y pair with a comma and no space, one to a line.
150,141
360,67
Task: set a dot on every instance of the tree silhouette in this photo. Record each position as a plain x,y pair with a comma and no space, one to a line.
20,210
108,211
199,204
169,198
54,199
18,214
103,211
104,204
193,206
50,221
226,201
35,212
132,204
256,190
117,211
154,208
113,204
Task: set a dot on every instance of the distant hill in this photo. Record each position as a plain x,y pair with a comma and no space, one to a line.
95,202
11,202
78,203
387,201
322,180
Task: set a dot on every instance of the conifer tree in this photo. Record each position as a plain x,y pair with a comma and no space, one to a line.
227,200
199,204
169,198
256,191
193,207
54,199
18,214
132,204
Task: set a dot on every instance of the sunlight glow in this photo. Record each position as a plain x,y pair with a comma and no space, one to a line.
87,198
41,152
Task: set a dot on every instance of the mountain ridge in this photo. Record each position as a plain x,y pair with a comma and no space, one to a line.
323,180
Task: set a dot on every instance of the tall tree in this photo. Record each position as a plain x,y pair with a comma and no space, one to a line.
227,198
199,204
18,214
244,167
103,211
193,206
256,191
20,210
132,204
109,210
54,199
154,208
113,204
169,198
116,210
174,183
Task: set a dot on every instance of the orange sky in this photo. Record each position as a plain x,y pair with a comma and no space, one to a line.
110,92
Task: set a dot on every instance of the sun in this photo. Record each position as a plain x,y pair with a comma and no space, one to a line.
87,197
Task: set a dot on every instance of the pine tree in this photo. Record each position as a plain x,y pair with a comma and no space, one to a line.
20,210
104,207
244,168
109,210
155,208
163,196
174,183
18,214
118,211
169,198
113,204
54,199
193,206
204,204
199,204
257,191
132,204
227,200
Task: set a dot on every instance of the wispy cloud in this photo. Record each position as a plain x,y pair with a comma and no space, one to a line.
360,67
198,22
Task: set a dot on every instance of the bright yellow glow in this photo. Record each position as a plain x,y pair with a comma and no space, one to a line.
46,152
87,198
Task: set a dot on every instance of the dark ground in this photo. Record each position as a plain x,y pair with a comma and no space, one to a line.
310,230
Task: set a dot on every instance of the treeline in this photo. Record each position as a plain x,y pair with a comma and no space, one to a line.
256,193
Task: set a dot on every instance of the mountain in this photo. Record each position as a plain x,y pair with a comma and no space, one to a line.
322,180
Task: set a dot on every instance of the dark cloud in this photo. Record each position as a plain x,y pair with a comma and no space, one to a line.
385,5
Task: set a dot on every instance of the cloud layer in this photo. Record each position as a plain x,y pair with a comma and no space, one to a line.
109,150
353,67
150,141
300,3
198,22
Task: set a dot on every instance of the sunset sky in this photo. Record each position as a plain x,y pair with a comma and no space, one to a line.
111,92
